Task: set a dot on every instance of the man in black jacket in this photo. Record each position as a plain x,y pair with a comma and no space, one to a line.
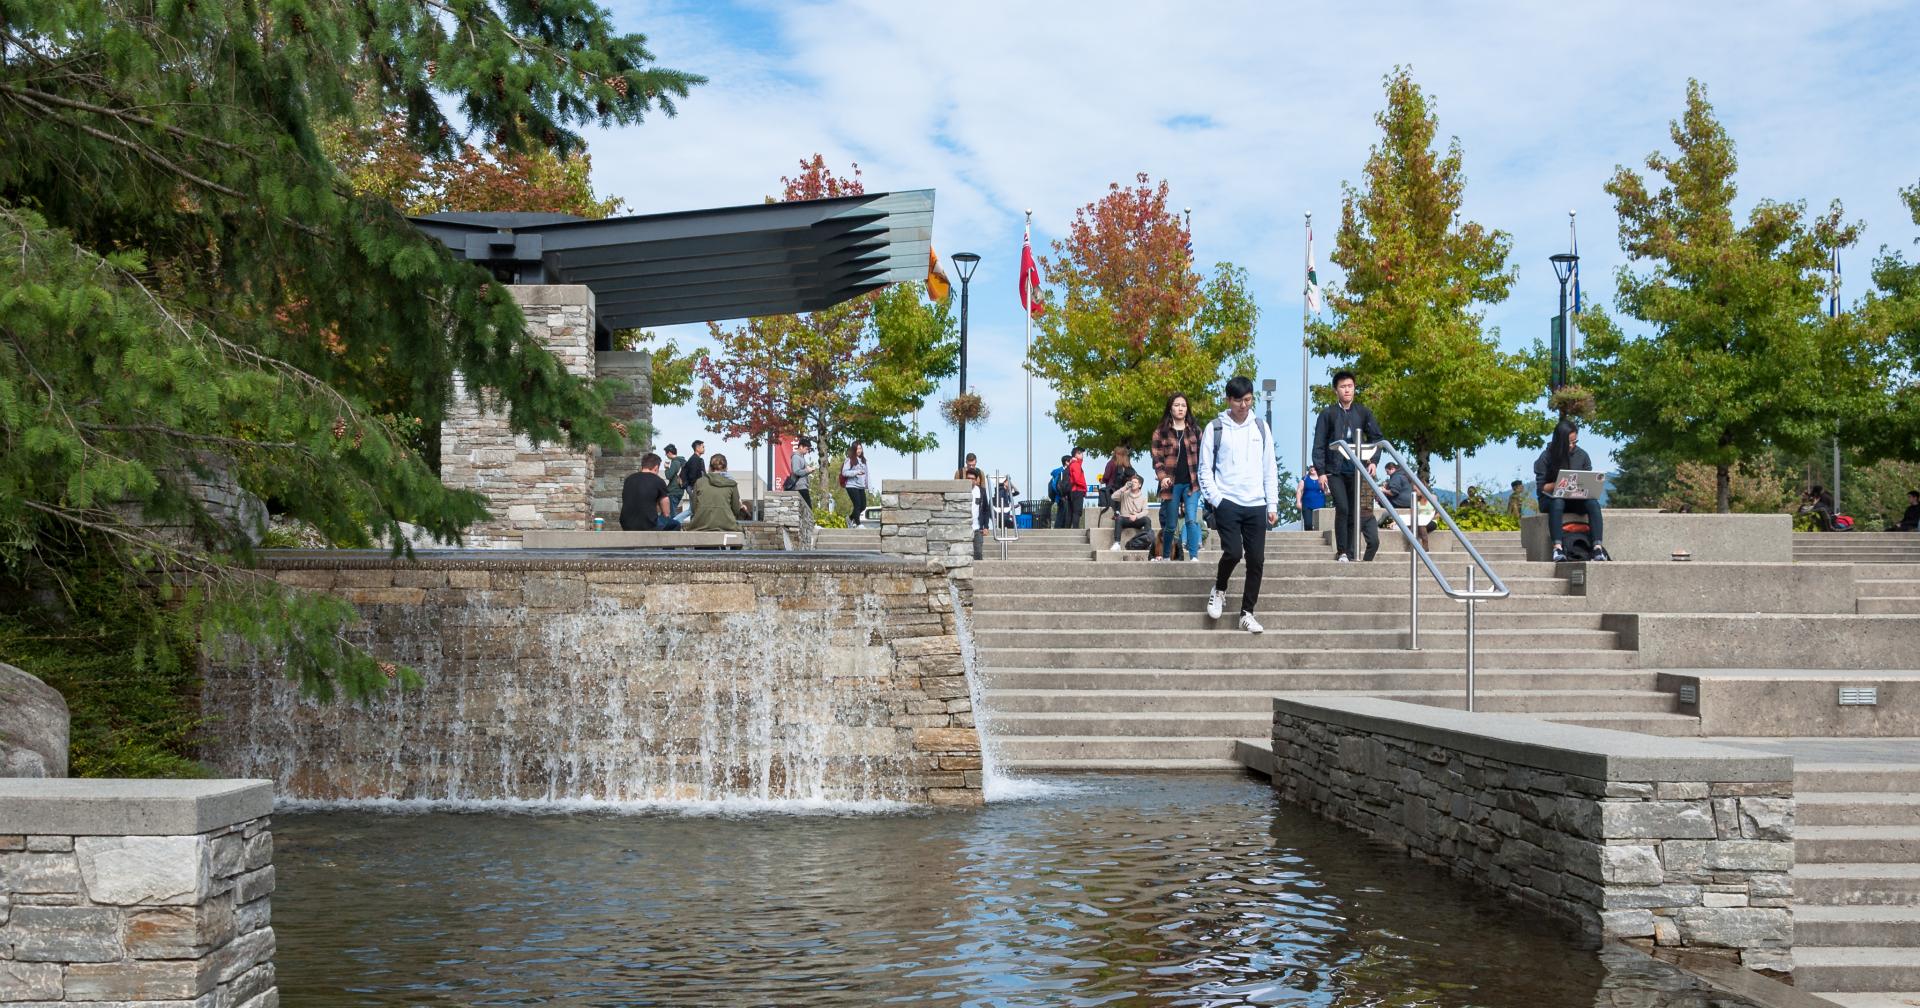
695,467
1910,521
1339,422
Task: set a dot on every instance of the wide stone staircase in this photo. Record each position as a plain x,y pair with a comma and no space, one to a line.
1857,547
1102,665
1856,881
1887,588
856,539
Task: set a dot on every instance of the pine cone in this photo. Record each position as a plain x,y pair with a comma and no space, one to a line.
339,428
619,85
390,670
433,67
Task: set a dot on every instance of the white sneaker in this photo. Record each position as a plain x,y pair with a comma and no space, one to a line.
1343,558
1249,624
1216,603
1156,559
1115,548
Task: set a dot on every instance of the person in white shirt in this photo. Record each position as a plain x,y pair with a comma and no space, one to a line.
1238,476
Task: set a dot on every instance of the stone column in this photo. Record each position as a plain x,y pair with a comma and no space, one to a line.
930,518
527,487
136,892
787,522
634,408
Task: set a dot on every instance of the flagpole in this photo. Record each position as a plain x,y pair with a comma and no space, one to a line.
1306,364
1833,312
1027,366
1573,242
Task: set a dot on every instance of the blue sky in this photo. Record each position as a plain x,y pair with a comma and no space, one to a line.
1255,114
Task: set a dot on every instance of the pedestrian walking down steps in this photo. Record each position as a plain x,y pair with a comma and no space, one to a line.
1239,476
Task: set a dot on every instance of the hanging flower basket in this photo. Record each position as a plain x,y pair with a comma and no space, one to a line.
1573,401
965,410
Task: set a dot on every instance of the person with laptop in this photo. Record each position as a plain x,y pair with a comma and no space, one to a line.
1563,477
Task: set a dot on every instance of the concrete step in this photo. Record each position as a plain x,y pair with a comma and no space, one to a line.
1856,844
1106,724
1857,808
1086,752
1868,605
1871,999
1856,968
1888,572
1450,617
1856,925
1359,680
1278,638
1826,778
989,598
1257,657
1015,566
1857,884
1534,702
1140,578
1124,765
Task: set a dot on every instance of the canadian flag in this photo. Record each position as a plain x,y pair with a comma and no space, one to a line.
1030,278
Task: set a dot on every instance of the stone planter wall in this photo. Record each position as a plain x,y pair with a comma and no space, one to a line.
786,522
136,892
527,487
1664,841
657,678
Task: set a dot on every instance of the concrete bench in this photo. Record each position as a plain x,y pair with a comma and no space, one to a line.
633,540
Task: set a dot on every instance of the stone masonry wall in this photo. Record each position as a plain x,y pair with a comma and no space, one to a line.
930,518
634,408
787,520
1675,863
666,677
175,920
528,487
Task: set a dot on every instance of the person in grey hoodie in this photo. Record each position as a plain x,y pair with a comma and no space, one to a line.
802,464
853,476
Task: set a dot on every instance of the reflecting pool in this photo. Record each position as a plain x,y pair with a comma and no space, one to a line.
1174,890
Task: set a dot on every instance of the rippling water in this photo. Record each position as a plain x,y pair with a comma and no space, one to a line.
1123,890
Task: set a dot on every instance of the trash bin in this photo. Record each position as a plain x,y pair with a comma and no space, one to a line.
1039,513
1024,521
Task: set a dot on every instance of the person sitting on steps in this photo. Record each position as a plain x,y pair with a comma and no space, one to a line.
1129,512
1910,521
1564,452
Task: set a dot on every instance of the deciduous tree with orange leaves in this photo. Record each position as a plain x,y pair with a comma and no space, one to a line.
1129,321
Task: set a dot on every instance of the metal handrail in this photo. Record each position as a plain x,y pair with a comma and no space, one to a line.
1001,533
1418,554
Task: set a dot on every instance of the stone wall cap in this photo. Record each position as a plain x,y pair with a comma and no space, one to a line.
557,295
1596,753
78,806
924,486
742,561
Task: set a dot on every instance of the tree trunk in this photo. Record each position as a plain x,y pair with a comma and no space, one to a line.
1723,487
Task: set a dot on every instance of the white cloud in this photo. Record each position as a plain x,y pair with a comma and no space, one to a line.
1002,106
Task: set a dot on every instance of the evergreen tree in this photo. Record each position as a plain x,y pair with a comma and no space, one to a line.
193,286
1409,316
1128,322
1741,360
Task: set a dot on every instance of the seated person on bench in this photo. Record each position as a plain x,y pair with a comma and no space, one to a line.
645,505
716,500
1129,512
1564,452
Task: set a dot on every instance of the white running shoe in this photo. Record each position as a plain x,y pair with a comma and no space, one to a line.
1216,603
1249,624
1115,548
1343,558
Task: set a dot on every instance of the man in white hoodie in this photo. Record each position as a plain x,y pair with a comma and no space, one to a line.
1238,476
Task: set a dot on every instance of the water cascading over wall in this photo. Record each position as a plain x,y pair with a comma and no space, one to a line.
667,678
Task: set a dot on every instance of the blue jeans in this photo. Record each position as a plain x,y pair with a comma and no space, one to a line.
1556,508
1180,495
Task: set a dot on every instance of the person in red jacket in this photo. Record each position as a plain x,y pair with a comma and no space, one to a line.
1076,486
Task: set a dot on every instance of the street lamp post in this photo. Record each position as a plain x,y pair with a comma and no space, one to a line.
965,263
1563,263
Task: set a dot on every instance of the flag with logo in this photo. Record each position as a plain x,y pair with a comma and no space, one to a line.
1833,300
939,288
1313,277
1030,278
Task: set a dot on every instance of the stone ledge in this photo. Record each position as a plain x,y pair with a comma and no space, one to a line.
924,486
545,539
551,295
90,807
771,561
1597,753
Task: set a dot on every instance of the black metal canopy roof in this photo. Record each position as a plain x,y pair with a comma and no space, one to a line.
706,265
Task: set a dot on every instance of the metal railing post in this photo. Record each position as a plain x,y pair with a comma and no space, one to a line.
1413,595
1358,470
1469,637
